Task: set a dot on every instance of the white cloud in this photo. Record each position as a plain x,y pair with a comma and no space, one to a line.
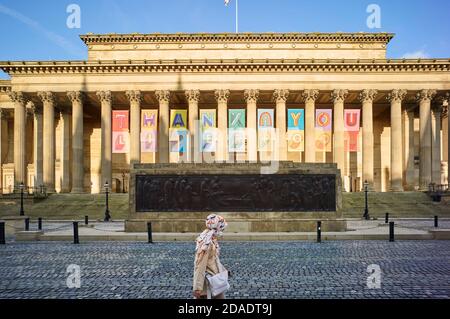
416,55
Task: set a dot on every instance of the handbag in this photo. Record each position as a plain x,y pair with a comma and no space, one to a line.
217,283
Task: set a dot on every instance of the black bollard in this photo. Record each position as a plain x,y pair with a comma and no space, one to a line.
391,231
436,221
319,232
40,223
86,220
386,218
27,224
149,232
2,233
76,240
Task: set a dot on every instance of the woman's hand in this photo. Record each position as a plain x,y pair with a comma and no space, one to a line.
197,293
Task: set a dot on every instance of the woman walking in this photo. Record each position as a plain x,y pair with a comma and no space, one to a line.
210,277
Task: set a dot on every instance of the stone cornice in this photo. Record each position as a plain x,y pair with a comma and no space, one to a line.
233,37
5,86
247,65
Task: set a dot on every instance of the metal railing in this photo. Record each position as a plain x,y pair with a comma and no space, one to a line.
28,191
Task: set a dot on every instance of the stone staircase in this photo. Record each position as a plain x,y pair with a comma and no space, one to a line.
76,206
404,204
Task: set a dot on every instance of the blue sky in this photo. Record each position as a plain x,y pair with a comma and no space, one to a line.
36,30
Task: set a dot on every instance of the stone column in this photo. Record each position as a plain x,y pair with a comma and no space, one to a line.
409,149
135,98
310,97
65,150
193,96
396,97
424,97
77,141
436,144
163,127
222,121
105,98
280,97
366,97
338,97
37,145
20,168
48,100
251,96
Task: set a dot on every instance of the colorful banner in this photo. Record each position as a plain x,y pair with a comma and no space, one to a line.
207,118
178,140
351,142
236,140
178,119
266,132
323,140
149,131
323,130
351,127
209,140
265,118
266,139
296,120
208,135
351,120
324,119
296,140
120,134
236,118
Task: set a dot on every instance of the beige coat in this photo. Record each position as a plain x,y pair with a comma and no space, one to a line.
205,262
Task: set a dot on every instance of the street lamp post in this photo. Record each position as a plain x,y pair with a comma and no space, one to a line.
366,208
107,214
123,182
22,212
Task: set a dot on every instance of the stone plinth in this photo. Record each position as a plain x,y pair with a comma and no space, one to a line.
158,184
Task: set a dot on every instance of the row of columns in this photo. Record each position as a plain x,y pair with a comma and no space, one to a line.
44,148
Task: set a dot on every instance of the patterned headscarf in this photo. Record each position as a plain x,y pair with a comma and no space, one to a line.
215,225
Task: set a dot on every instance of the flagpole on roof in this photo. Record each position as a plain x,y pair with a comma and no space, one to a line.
237,16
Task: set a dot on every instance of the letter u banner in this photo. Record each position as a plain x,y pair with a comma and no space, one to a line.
351,124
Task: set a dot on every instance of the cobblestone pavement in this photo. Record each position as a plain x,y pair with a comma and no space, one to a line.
410,269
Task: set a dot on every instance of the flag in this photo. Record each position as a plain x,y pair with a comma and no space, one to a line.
227,2
120,134
323,127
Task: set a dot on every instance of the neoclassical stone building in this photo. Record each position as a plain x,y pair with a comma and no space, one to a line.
57,116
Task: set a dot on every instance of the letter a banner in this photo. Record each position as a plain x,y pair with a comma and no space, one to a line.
266,133
120,134
149,131
323,126
178,119
351,125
